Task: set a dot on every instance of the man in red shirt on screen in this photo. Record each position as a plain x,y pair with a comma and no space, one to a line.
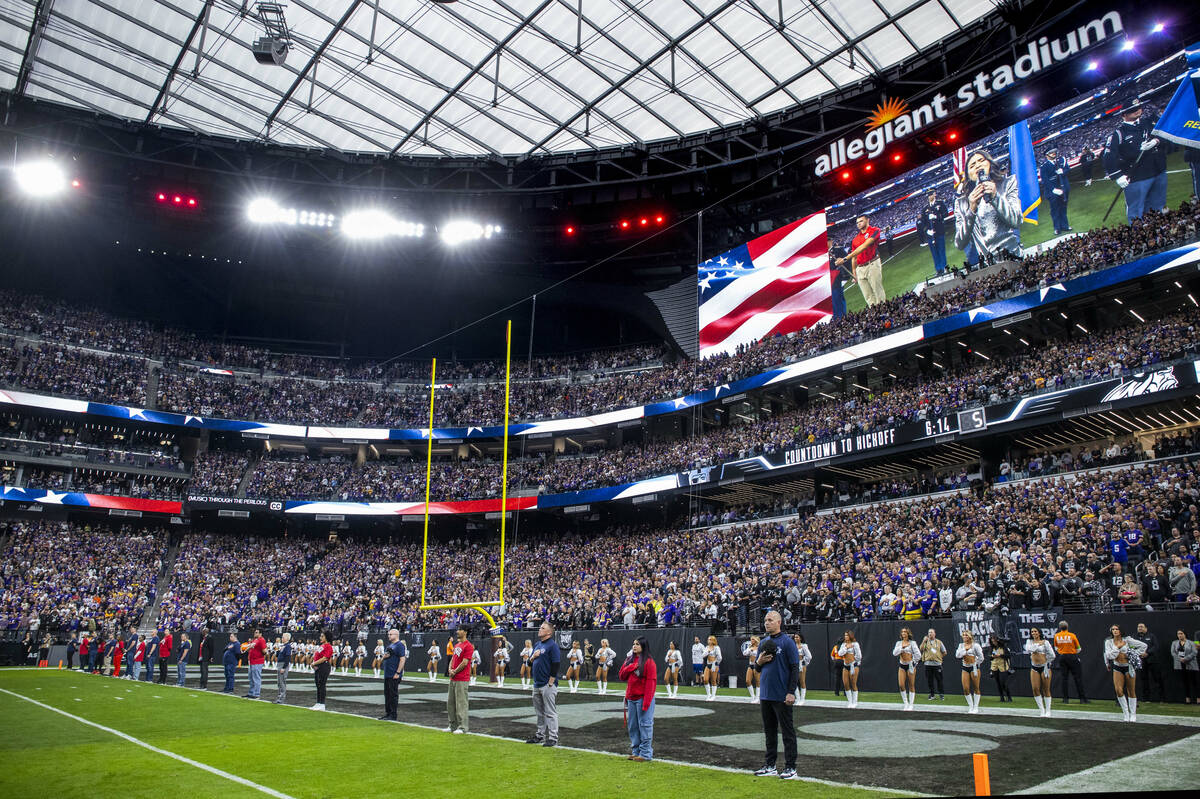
460,674
865,265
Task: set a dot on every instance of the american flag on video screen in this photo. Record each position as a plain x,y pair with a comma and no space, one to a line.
960,166
777,283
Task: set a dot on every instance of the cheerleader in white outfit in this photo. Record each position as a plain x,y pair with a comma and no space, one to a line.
909,654
476,661
604,659
526,671
674,661
805,659
347,656
712,668
1122,656
750,650
360,654
971,655
377,663
1041,654
435,655
500,662
574,662
851,656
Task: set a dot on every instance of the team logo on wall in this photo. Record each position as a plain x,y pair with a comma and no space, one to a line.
276,506
1162,380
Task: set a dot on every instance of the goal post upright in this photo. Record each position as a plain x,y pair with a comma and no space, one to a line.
428,474
480,606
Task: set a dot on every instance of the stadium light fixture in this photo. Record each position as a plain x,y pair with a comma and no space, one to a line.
846,175
265,211
624,224
1158,28
1128,45
40,178
373,224
1024,101
570,230
1093,66
952,135
460,231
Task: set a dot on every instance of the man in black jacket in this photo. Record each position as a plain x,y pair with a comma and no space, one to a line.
1151,667
206,653
1137,162
1055,188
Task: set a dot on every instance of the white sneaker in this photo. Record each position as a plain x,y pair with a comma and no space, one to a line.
317,706
459,731
447,729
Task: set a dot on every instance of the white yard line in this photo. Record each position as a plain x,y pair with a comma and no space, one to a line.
1164,768
202,766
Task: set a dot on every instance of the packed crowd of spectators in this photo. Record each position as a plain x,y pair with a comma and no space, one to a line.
218,472
224,579
70,372
60,575
1057,364
1085,540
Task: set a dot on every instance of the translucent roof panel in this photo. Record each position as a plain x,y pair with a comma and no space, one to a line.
466,78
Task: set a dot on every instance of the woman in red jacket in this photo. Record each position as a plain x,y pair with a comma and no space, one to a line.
641,675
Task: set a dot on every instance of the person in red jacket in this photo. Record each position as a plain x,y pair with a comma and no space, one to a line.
119,656
164,652
256,656
641,675
139,657
84,652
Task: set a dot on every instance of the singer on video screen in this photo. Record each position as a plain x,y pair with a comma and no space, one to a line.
988,211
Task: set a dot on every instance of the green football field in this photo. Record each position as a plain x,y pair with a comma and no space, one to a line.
69,730
288,750
911,263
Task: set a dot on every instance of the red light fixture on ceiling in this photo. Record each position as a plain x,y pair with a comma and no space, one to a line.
624,224
659,219
178,200
846,175
868,167
952,136
896,158
570,230
643,221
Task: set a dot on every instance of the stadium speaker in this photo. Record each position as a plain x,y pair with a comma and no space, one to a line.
269,50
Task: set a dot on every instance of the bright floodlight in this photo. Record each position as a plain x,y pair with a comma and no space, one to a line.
263,211
40,178
375,224
1158,28
463,230
1092,66
1128,45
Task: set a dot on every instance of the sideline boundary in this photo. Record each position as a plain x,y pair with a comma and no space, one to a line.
125,736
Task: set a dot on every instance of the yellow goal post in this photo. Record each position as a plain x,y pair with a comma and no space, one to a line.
480,605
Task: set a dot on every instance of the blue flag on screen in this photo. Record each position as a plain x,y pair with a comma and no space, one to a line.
1024,168
1180,120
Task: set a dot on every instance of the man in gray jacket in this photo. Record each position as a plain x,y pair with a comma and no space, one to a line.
1182,579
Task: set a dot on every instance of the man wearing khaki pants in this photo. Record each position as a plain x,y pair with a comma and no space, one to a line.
865,265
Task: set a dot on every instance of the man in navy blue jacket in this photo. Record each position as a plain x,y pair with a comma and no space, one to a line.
1055,188
545,661
393,673
151,658
230,660
779,667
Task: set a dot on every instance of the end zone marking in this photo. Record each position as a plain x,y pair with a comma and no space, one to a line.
203,767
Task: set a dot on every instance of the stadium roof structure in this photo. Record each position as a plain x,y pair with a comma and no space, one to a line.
473,78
